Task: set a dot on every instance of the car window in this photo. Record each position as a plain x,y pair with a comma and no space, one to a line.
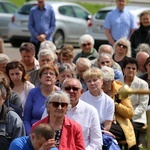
66,10
1,9
26,9
80,13
101,14
10,8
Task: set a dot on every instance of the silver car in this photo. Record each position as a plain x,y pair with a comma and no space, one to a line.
7,9
71,23
97,21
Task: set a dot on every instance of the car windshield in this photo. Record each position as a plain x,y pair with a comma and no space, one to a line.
102,14
25,9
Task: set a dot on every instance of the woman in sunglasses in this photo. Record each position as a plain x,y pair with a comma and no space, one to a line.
35,103
122,49
68,134
18,80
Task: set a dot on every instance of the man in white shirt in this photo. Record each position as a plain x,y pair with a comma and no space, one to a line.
85,114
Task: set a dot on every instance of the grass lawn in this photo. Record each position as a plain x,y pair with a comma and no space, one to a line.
93,8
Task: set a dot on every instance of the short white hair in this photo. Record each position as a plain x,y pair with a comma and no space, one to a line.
84,62
4,58
47,45
84,38
45,52
108,73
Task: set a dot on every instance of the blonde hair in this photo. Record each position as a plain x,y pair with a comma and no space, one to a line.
93,72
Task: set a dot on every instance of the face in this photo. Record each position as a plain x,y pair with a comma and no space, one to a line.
45,60
73,88
121,4
107,86
148,68
48,77
37,142
64,75
105,61
15,75
121,48
41,2
81,69
94,85
87,46
2,67
57,107
27,57
64,59
130,70
145,20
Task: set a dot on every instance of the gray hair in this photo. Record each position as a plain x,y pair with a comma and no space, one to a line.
84,61
84,38
66,67
104,46
143,48
45,52
48,45
101,55
124,40
59,95
4,58
108,73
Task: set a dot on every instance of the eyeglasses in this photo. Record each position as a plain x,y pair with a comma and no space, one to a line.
121,45
73,88
57,104
48,73
103,62
87,44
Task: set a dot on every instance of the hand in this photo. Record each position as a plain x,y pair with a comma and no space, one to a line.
48,144
109,133
41,37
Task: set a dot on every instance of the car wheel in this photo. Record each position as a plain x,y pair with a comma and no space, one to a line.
58,39
15,43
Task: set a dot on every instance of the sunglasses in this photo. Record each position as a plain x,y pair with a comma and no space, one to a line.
88,44
73,88
57,104
121,45
103,62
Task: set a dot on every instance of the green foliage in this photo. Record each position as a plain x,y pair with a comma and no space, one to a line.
93,8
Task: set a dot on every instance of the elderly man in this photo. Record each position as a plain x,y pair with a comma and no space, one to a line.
141,58
86,43
85,114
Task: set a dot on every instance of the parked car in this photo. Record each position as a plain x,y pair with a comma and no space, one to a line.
7,9
71,23
97,22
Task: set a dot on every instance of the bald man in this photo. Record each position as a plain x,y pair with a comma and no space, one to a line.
141,58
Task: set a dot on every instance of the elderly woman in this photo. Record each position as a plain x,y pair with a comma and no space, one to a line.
123,109
45,56
86,43
122,49
139,102
65,71
27,51
96,97
142,34
35,103
66,55
105,59
68,134
18,80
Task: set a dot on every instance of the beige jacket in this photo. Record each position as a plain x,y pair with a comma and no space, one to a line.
123,113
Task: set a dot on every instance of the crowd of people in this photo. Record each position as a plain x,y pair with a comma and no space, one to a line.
59,101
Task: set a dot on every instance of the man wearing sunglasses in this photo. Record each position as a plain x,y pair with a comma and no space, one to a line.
85,114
